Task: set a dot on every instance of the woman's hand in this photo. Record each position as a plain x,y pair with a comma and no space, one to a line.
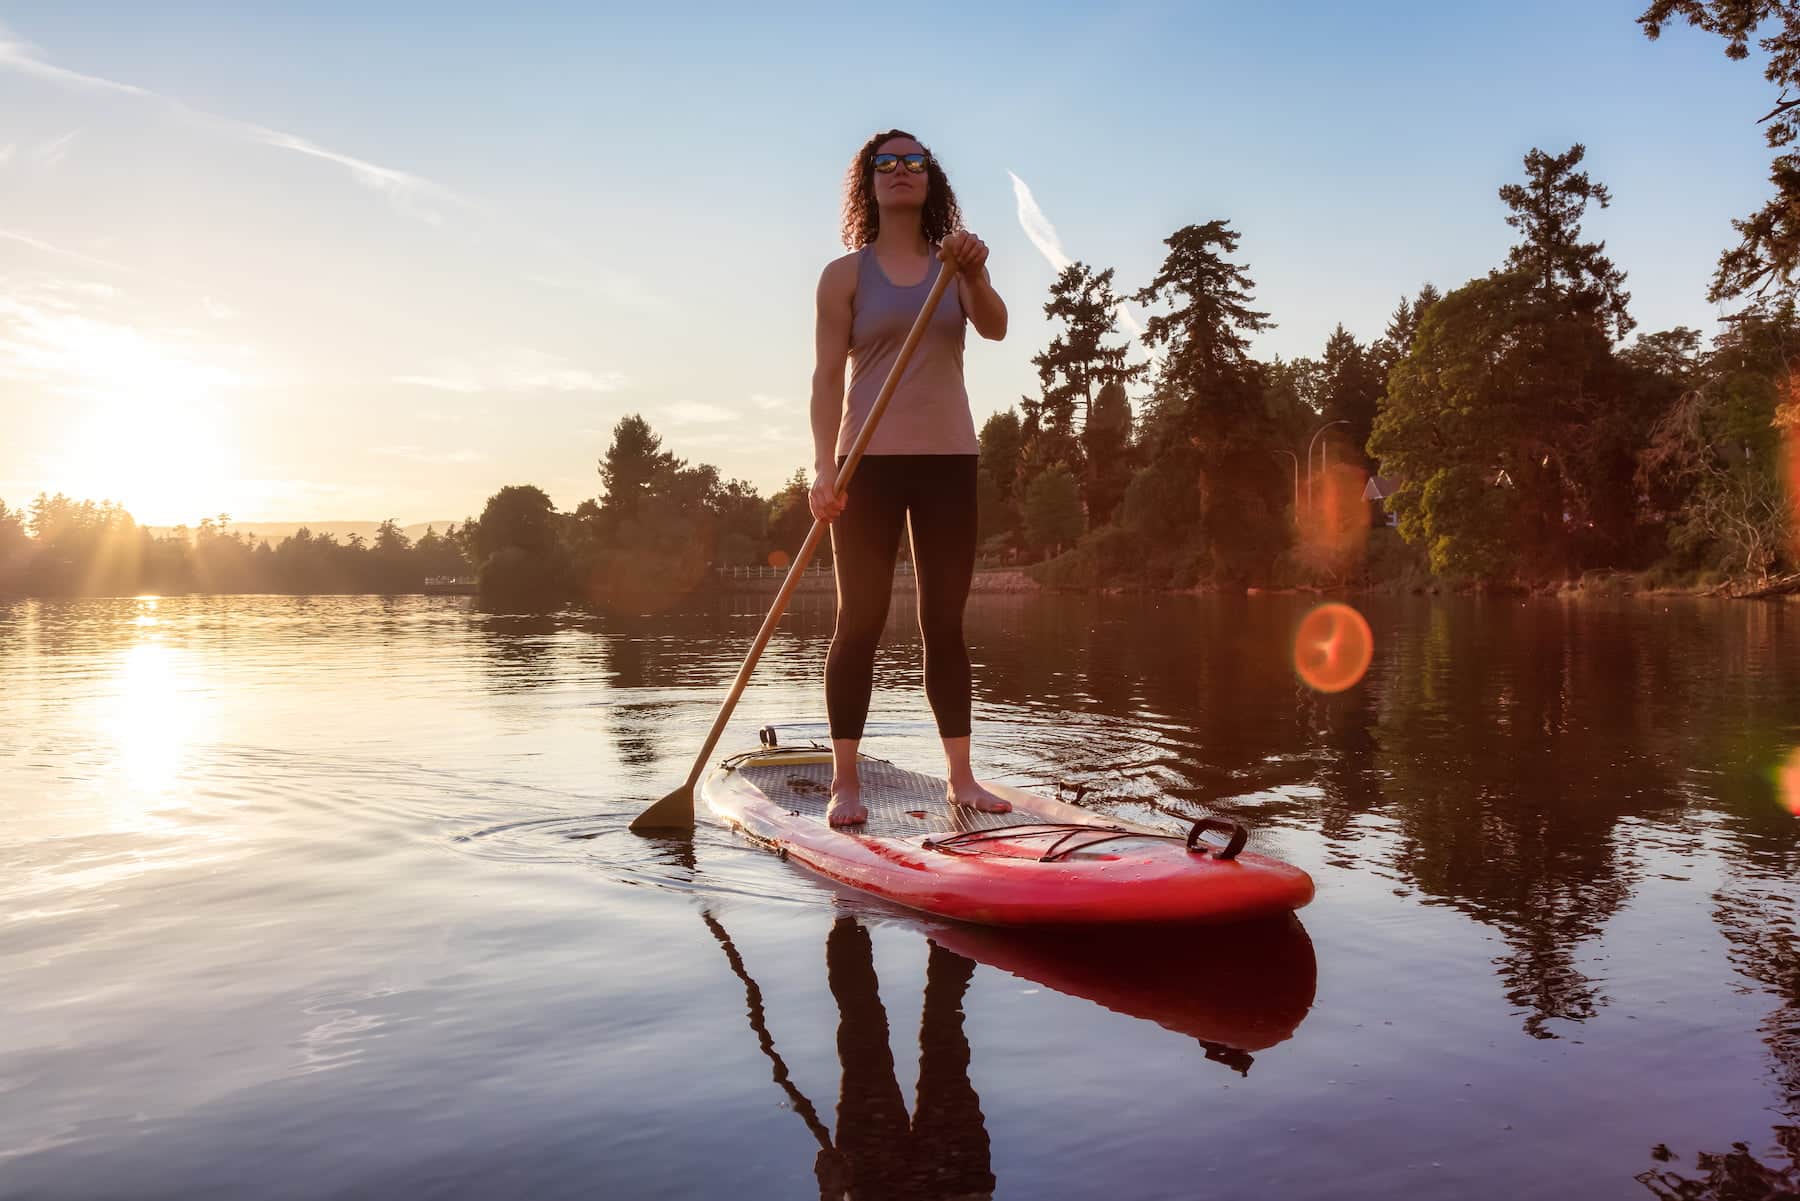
967,252
823,500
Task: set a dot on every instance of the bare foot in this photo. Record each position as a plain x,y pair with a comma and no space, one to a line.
971,795
846,807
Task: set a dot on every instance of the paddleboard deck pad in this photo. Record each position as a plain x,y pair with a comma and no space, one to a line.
1043,863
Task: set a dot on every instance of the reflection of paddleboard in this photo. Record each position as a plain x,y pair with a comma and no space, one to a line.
1045,863
1235,988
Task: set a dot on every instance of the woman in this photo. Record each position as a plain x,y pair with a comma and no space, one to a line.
900,224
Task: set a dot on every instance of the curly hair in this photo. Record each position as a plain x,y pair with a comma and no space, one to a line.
862,219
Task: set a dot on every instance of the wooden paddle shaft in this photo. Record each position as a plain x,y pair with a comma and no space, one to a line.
798,567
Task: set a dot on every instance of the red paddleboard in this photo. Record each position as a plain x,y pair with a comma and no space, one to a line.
1044,863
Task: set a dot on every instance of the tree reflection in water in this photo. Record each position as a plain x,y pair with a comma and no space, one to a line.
1756,911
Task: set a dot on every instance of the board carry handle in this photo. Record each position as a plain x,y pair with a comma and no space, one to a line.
1239,835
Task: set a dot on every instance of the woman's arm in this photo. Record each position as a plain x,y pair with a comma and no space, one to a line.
831,348
987,312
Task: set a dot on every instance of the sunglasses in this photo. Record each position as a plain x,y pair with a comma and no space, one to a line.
886,163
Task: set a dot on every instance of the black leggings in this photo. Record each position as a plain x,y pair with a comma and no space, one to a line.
935,494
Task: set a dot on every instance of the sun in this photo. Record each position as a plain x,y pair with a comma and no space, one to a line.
149,431
162,462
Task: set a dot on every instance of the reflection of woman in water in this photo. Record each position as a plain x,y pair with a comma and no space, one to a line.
941,1150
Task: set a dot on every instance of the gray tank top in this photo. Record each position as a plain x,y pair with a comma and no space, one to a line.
929,413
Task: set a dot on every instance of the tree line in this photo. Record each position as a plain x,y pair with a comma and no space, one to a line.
64,547
1515,435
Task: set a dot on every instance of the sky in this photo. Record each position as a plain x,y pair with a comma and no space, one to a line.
344,261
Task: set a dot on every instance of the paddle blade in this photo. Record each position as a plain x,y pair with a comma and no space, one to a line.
672,814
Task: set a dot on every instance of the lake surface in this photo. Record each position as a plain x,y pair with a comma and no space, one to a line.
334,897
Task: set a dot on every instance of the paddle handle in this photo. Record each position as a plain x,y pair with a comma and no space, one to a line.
798,567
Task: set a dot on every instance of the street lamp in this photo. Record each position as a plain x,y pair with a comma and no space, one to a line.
1309,454
1290,454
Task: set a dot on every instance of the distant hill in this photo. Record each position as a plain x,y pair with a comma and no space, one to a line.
275,531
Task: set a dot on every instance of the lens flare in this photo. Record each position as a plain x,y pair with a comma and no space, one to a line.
1787,420
1787,783
1333,647
1332,526
778,559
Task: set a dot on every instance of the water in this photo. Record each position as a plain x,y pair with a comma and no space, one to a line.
333,897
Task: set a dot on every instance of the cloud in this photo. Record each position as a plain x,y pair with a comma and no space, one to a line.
519,369
1043,235
24,58
71,294
6,153
688,412
770,404
48,342
1037,227
53,152
403,190
407,193
43,247
218,310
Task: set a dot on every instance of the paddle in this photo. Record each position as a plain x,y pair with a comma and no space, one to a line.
675,812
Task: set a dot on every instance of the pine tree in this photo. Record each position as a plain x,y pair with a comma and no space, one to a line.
1208,431
1350,385
1079,361
1570,275
1206,387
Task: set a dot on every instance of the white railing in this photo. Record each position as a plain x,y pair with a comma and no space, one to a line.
813,571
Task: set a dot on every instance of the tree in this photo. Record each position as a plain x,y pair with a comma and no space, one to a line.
1202,386
790,519
1570,275
742,519
1002,443
14,546
998,488
1349,386
438,554
1291,394
1769,239
1053,510
662,524
1396,341
1079,362
519,515
1107,443
632,462
1513,378
1456,426
392,560
1210,396
1714,459
521,561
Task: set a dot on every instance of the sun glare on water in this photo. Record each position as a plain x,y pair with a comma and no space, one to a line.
149,715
